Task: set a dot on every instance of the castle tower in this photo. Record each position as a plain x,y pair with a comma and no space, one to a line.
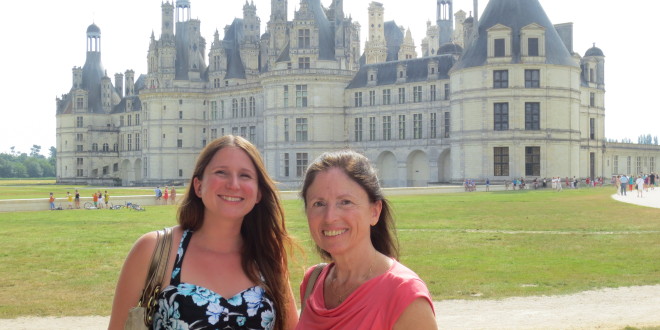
375,47
119,84
77,77
182,11
251,23
407,50
130,82
445,20
277,29
167,21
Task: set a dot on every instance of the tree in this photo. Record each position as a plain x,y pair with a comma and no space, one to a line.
52,159
35,150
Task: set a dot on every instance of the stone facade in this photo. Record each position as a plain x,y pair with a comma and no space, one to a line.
491,97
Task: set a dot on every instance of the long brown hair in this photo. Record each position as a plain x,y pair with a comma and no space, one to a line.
358,168
265,239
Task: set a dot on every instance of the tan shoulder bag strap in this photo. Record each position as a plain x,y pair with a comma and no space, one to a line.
156,273
310,284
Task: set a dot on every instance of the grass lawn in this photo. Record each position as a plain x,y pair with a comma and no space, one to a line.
465,245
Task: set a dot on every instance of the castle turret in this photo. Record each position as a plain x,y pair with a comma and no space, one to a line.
119,84
130,82
445,21
375,47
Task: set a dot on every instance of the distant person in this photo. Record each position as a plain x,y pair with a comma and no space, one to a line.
173,195
77,199
106,198
487,184
158,193
95,199
166,195
640,186
624,184
51,199
631,182
69,199
100,199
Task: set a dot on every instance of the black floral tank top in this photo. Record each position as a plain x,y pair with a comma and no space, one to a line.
188,306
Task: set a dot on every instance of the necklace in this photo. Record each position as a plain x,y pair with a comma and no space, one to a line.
343,294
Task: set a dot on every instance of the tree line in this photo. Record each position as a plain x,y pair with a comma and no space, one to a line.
18,164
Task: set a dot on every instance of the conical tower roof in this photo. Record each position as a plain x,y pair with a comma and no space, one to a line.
515,14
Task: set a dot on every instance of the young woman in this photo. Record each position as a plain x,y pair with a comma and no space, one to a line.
228,265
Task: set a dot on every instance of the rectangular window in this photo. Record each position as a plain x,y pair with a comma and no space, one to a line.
387,96
372,98
592,99
286,129
533,46
79,121
387,127
532,116
592,128
79,136
179,143
244,132
417,94
303,63
137,142
629,167
532,78
243,107
234,131
79,172
130,120
137,119
234,108
222,109
433,126
501,79
532,161
301,96
402,95
499,48
180,129
639,164
417,126
286,165
447,92
433,93
252,135
447,125
304,40
372,128
79,148
358,99
501,116
402,127
79,161
652,167
121,120
286,96
301,163
214,110
79,103
301,129
358,129
129,142
615,165
501,161
214,133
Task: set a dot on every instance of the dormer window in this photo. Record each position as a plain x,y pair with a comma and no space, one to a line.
499,48
532,39
499,44
533,46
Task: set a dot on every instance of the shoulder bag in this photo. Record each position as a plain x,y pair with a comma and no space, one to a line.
141,316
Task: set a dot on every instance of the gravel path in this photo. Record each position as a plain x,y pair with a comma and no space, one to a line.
617,308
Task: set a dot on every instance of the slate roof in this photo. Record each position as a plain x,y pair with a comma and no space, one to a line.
231,43
92,74
515,14
416,70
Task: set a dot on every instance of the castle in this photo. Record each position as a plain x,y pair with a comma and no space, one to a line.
495,96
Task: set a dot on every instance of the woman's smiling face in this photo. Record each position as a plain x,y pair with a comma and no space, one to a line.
229,187
339,213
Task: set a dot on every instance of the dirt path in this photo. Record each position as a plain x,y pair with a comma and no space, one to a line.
599,309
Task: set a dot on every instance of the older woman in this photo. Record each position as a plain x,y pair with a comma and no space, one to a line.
229,269
364,286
